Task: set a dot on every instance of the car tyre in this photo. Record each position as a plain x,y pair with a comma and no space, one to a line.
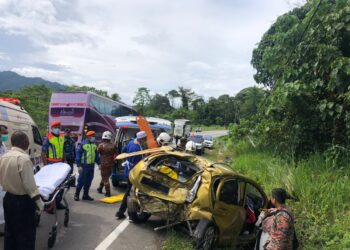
205,235
135,215
139,217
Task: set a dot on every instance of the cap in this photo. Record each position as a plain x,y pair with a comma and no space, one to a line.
55,124
141,135
90,133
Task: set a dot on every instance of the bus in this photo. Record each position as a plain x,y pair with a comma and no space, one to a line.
84,111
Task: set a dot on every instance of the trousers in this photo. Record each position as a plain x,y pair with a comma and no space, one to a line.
124,204
105,175
85,178
20,228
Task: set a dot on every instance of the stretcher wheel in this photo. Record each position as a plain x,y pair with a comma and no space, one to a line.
52,239
66,218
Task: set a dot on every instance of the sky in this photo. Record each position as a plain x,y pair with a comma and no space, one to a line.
119,45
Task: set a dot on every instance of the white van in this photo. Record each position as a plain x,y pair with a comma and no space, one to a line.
15,118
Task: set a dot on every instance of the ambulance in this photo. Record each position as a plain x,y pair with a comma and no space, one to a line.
15,118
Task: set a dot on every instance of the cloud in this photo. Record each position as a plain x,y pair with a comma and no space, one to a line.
120,46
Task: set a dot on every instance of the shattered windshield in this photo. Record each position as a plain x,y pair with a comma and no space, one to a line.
177,169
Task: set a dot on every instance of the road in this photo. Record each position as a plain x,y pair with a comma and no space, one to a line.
215,133
94,224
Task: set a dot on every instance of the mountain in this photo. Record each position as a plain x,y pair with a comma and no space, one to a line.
12,81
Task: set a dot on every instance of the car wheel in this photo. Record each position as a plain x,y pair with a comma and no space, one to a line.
205,235
135,215
139,217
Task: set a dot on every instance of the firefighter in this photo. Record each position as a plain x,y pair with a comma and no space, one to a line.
87,156
107,151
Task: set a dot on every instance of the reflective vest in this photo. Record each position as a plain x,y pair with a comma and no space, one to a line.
55,152
89,153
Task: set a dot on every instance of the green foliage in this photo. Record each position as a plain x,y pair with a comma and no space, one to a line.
87,88
35,99
142,99
304,58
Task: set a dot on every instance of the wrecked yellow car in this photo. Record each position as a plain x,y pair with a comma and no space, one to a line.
216,205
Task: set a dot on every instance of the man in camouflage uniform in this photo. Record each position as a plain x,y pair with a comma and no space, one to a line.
281,226
107,151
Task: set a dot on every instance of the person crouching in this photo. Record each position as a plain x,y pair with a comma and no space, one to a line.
107,151
87,156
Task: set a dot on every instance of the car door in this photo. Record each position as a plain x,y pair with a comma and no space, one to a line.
228,213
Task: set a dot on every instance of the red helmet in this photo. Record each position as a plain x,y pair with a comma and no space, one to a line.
55,124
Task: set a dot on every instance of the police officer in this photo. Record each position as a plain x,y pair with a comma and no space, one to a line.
53,152
87,156
69,149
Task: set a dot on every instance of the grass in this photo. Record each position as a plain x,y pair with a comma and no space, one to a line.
323,213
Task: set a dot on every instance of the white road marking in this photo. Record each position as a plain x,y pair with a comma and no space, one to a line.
113,235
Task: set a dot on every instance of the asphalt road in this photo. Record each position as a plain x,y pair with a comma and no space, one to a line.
215,133
93,224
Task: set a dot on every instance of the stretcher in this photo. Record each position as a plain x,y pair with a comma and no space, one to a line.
53,180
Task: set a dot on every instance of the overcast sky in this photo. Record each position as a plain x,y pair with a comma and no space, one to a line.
121,45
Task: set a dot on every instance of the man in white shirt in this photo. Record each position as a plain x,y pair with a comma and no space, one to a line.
22,199
3,150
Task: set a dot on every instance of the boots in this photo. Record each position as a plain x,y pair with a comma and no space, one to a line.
108,194
99,190
76,197
86,197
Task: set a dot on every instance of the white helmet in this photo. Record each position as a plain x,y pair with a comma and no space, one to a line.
190,146
107,135
163,139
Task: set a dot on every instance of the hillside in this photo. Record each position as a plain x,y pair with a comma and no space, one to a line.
12,81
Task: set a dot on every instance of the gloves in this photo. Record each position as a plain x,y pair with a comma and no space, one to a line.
39,206
80,169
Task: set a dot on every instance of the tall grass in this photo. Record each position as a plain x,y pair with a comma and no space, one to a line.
323,213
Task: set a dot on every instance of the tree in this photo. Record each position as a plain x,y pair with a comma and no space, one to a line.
142,99
248,101
160,104
186,97
304,58
116,97
87,88
172,94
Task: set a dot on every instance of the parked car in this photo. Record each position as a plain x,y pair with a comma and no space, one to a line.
210,200
198,130
208,141
199,141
